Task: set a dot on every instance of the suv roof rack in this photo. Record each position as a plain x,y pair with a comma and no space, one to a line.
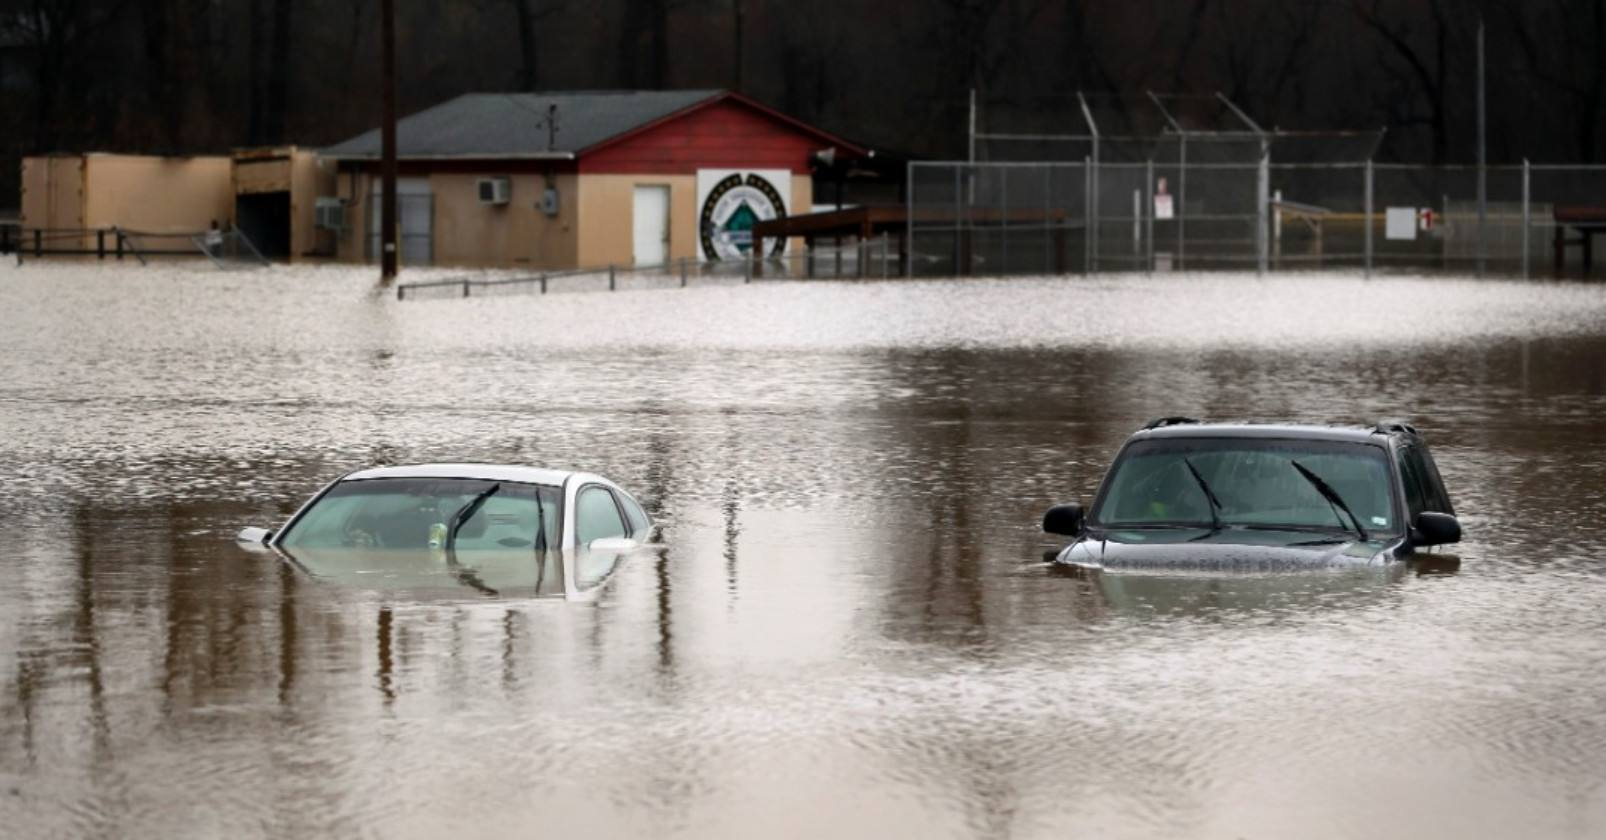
1169,421
1392,427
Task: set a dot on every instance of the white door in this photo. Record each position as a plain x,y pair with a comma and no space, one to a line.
652,225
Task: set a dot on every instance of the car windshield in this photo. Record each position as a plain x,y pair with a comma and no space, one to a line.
1255,482
416,513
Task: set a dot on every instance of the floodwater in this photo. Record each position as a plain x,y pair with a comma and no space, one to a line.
849,630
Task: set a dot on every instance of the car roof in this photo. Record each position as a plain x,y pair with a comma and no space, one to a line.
484,472
1277,431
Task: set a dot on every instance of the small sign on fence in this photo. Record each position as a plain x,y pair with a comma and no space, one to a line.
1164,208
1401,223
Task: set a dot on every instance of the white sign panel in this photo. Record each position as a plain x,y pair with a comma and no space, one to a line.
1401,223
731,201
1164,208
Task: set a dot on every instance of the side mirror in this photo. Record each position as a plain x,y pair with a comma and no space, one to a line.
1065,520
1436,528
254,540
253,536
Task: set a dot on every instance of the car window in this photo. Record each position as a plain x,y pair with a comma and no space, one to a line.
1416,498
1438,499
408,514
1256,482
633,512
596,516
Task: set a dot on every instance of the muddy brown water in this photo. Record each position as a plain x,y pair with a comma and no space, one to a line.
849,631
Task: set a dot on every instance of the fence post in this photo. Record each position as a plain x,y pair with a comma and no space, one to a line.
1087,214
886,251
401,292
465,288
38,243
959,228
1148,197
1050,230
119,238
613,281
683,272
747,267
543,282
1527,212
1369,225
909,221
1137,225
1003,218
1262,199
1182,203
100,244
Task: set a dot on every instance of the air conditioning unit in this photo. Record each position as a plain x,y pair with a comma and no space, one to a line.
498,190
329,214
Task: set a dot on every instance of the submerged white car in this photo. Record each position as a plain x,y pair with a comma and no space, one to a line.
495,529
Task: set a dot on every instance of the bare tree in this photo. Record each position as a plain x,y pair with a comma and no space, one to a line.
275,115
1563,44
1422,66
527,15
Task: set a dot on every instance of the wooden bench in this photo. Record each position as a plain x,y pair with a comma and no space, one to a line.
1587,221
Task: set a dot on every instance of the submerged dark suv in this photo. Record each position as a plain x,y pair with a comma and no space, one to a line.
1185,494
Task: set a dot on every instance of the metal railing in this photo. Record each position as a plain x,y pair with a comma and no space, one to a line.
865,259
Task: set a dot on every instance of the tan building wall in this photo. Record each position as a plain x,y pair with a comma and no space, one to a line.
607,210
152,194
512,235
353,187
310,177
53,192
607,213
158,195
594,226
467,233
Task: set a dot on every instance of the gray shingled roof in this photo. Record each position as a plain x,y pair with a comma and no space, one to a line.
513,125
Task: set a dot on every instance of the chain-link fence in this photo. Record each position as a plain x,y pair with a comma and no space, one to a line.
1191,205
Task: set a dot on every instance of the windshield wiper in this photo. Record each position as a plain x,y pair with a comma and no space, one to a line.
1332,497
463,513
1215,504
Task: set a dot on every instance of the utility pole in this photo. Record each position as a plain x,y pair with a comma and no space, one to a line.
387,165
737,32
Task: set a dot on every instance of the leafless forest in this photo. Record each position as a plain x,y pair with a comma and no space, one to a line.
177,76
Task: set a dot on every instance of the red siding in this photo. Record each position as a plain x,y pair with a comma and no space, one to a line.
724,135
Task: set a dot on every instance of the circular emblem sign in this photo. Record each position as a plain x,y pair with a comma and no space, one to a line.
733,206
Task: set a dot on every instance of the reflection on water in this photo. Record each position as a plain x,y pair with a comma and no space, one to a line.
850,630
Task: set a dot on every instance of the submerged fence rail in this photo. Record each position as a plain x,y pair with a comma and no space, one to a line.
870,259
224,247
1170,215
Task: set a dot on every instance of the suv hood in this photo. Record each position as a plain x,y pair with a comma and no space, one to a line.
1231,549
